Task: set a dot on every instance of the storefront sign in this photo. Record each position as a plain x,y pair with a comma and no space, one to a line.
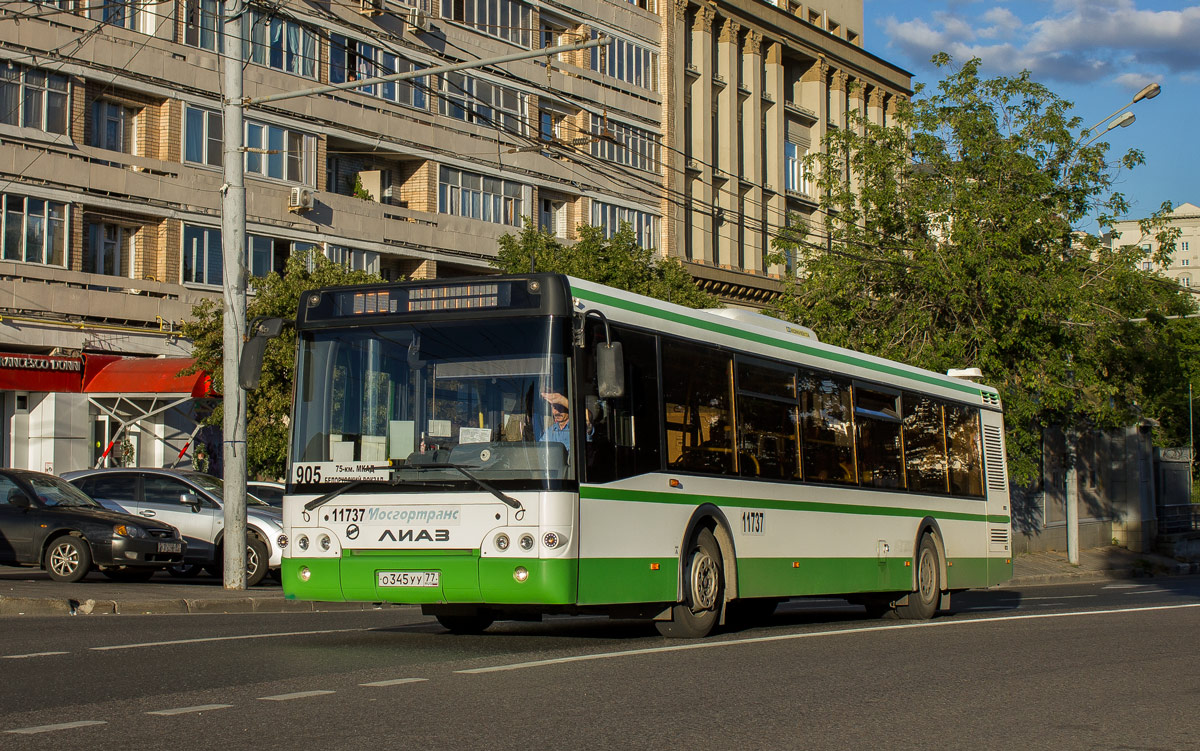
40,373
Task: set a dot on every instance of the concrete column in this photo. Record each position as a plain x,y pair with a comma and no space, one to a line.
703,155
728,147
753,198
875,109
838,81
673,84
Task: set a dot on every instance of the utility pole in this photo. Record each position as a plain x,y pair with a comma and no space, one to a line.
233,250
233,257
1072,493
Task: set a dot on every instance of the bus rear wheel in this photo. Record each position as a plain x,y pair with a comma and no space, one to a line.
923,603
704,591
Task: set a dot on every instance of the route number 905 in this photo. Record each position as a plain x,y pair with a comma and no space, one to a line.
308,474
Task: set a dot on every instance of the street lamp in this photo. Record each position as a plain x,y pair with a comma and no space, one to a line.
1124,121
1149,91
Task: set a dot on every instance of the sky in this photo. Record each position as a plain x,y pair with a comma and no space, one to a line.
1094,53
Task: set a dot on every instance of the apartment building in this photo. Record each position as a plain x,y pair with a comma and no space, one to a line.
691,126
1185,263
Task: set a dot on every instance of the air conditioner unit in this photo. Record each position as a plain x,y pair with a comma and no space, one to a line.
370,7
301,199
418,20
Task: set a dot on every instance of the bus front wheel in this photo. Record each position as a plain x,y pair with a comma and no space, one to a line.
923,603
704,591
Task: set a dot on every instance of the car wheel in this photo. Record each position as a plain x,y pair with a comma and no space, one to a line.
68,559
258,561
185,570
923,603
129,573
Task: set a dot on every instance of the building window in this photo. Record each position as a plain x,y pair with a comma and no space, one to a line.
1184,262
290,155
352,60
201,255
354,260
476,101
1186,280
610,217
35,230
202,137
625,144
476,196
33,98
123,13
505,19
649,5
627,62
281,44
113,126
202,23
270,254
110,249
794,179
1183,246
1146,265
552,217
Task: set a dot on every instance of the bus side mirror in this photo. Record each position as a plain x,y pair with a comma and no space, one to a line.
610,371
250,368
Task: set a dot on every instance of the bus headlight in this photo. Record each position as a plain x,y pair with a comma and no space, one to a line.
520,573
305,574
527,542
282,542
324,542
303,542
501,542
553,540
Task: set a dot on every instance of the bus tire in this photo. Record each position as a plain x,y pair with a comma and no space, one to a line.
703,591
923,603
466,624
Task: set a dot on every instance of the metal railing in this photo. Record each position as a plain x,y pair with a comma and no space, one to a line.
1178,517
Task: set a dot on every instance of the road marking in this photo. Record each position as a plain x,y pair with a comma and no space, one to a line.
297,695
1124,586
812,635
60,726
33,654
1061,597
189,710
223,638
1147,591
394,682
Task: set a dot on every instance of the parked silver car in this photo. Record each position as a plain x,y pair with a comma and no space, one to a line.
192,502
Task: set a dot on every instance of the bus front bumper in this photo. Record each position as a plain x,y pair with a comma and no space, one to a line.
462,577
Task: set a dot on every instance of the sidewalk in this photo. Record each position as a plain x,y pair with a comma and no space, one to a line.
1110,562
29,591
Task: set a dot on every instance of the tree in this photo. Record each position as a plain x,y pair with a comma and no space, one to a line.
268,406
618,262
945,240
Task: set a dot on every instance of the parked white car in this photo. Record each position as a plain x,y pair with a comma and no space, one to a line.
192,502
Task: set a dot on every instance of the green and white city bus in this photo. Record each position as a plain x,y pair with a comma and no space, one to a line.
508,447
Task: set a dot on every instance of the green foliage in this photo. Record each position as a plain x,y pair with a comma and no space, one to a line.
618,262
267,407
946,241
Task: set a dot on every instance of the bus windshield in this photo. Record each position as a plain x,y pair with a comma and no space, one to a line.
479,395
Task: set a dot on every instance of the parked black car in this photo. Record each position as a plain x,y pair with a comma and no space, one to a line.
47,521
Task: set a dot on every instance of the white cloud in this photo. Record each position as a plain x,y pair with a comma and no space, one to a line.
1078,41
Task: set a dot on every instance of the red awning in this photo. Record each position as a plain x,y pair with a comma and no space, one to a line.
133,375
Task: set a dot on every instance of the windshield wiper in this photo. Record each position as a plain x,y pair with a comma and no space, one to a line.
507,499
322,500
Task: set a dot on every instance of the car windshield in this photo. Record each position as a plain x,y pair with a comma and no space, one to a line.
215,487
491,396
52,491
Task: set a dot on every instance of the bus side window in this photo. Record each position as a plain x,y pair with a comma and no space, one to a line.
966,454
625,437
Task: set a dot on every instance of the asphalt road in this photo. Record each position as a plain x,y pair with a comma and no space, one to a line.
1110,665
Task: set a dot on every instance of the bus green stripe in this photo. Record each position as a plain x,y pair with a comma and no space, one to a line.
844,358
688,499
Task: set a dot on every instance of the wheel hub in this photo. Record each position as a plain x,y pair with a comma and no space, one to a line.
704,582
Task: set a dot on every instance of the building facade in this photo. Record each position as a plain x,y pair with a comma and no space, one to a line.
691,126
1184,267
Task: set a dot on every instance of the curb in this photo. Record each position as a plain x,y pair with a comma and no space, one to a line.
35,606
1090,575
